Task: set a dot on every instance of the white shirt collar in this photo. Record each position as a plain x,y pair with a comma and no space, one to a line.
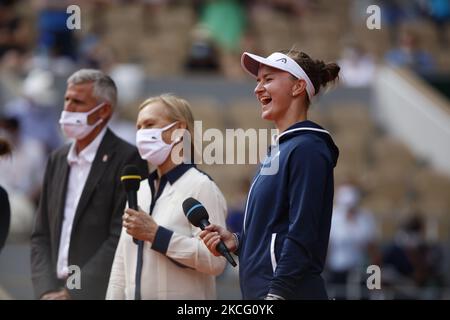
88,153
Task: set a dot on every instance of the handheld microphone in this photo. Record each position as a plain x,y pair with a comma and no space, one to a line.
198,216
131,179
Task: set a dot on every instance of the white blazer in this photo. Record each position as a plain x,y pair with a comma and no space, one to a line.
187,269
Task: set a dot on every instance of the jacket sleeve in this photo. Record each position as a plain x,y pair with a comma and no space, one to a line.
307,179
191,251
43,272
97,270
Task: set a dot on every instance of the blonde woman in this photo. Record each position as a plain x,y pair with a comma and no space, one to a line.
169,261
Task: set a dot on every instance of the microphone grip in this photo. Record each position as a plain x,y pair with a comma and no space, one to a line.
132,204
221,247
132,200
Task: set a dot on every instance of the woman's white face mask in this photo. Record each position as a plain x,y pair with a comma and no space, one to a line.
151,145
75,124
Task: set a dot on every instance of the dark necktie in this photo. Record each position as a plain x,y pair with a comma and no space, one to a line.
162,184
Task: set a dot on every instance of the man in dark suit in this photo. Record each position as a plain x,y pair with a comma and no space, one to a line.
78,221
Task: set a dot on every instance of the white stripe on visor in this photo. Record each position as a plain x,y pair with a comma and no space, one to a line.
250,62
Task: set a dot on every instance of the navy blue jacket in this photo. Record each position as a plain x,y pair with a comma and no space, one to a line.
284,241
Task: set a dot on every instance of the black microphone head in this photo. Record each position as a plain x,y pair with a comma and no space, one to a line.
131,178
194,211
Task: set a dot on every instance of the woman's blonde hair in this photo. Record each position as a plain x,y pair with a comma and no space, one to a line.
177,109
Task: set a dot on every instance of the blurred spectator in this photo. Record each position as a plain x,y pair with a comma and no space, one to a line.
21,176
23,171
13,33
56,44
88,48
53,35
408,54
130,81
36,110
395,12
202,55
226,21
439,12
93,52
352,239
411,265
96,54
357,66
14,41
12,71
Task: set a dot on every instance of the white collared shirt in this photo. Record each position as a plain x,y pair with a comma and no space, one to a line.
177,265
80,165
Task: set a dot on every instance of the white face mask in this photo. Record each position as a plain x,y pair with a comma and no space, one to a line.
75,124
152,147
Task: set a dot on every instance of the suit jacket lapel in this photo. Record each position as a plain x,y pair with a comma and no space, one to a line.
101,161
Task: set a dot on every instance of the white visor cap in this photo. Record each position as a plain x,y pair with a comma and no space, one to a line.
250,62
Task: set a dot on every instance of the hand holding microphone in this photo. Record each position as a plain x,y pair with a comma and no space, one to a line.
131,179
198,216
213,234
138,223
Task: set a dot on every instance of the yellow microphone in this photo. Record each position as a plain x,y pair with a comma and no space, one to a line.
131,179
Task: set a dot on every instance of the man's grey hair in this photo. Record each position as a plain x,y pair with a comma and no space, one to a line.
104,87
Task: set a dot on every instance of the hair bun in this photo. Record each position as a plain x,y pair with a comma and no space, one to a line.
319,72
328,73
